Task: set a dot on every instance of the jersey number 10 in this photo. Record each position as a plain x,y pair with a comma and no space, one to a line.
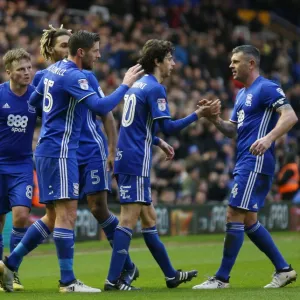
128,110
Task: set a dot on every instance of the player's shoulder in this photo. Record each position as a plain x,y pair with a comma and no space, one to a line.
89,75
4,85
31,88
271,88
267,83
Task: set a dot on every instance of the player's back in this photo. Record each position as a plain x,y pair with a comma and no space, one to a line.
92,142
134,149
63,86
17,123
255,115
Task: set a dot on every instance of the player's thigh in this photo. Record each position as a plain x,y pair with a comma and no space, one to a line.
4,200
93,178
148,216
58,178
249,190
20,188
134,189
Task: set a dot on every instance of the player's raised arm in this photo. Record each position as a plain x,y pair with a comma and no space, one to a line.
106,104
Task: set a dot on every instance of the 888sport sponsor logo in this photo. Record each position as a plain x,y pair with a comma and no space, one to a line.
17,123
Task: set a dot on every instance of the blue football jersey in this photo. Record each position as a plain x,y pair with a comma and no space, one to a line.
255,114
63,87
92,142
17,123
144,102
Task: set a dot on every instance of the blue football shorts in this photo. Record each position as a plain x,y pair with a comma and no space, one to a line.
58,178
134,189
15,190
250,190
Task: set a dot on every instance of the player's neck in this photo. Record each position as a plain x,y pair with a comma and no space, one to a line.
251,79
17,89
158,76
76,60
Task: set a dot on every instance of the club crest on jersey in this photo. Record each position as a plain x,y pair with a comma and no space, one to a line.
31,108
162,104
249,100
84,85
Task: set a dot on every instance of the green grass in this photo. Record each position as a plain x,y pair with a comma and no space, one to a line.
39,271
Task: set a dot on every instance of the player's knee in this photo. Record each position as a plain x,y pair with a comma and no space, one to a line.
98,206
129,215
235,215
148,221
20,219
67,218
148,216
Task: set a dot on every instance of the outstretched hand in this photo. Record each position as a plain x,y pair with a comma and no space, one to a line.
132,75
168,149
208,108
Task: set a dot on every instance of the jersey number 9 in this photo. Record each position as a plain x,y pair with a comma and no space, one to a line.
47,95
129,110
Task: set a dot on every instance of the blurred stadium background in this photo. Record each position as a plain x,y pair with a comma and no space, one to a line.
191,191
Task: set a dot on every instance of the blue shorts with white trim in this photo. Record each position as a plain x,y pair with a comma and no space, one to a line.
250,190
58,178
93,178
134,189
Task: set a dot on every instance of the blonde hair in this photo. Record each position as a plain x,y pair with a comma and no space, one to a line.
15,55
49,37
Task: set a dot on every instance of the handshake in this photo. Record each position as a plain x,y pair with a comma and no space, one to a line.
210,109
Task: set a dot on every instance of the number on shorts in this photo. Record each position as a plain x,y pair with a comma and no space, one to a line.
96,178
29,191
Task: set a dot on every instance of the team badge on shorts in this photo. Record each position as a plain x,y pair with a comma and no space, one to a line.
162,104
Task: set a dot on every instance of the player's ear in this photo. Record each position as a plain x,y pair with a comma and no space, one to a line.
80,52
8,72
157,63
51,50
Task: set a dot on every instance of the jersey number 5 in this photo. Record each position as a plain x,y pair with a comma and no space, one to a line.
129,110
47,95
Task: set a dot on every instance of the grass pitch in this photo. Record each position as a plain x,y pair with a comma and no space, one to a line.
39,272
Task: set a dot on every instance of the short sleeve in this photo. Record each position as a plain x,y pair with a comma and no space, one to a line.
157,100
78,86
273,96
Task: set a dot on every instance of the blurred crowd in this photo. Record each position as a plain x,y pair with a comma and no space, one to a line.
204,33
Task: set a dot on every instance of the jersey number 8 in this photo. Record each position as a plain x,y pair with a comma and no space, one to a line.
129,110
47,95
